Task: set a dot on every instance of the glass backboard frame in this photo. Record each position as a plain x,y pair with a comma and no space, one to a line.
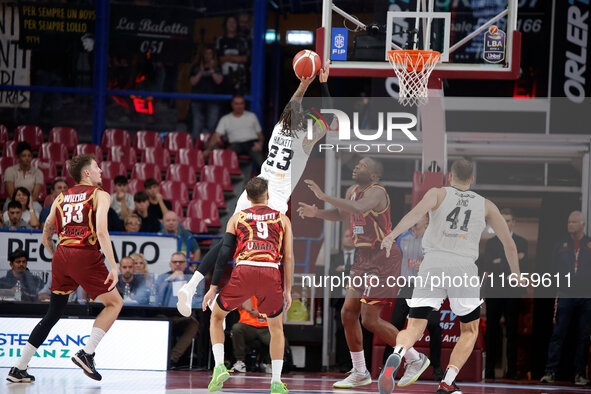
509,70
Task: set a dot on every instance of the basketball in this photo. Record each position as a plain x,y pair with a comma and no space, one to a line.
306,64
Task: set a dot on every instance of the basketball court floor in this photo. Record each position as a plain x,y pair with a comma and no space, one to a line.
57,381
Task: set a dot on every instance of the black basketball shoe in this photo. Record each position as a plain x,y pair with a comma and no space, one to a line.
86,362
19,376
445,389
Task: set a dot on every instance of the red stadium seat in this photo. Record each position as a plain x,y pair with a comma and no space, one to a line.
181,173
5,162
90,149
108,185
123,154
226,158
192,157
54,151
210,191
157,155
217,174
177,207
175,191
66,174
134,186
66,136
204,138
47,167
176,140
146,138
112,169
9,149
3,134
143,171
199,145
32,134
194,225
206,211
115,137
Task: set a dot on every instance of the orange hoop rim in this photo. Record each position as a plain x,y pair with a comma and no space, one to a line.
429,57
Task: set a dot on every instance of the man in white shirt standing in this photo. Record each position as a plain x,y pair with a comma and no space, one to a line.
243,131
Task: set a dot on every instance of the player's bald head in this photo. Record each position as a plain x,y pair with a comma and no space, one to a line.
376,168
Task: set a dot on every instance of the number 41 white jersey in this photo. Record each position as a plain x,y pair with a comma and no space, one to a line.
457,225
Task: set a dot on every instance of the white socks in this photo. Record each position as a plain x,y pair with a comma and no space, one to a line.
26,355
95,337
358,359
276,367
194,281
412,355
450,374
400,350
218,353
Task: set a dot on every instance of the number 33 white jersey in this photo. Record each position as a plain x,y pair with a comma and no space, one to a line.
283,169
457,225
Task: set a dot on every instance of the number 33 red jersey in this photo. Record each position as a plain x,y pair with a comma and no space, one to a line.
76,217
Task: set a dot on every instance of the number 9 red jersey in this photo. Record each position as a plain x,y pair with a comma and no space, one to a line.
259,235
75,217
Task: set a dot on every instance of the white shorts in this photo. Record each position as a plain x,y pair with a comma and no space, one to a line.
278,199
445,275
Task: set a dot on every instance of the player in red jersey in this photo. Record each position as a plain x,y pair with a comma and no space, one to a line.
263,239
80,217
367,207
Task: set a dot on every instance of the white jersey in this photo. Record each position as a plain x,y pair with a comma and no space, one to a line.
457,225
283,169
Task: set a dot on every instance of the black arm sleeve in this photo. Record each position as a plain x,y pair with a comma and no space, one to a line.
226,250
327,101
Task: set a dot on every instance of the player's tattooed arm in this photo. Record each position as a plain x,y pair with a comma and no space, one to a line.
49,228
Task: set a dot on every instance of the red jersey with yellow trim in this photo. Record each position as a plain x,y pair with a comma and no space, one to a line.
259,235
75,217
369,229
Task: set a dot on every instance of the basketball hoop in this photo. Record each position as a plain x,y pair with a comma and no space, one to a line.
413,68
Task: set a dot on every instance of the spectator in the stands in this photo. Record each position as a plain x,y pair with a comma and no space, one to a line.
206,78
140,265
15,220
244,27
158,205
186,327
59,185
23,174
133,223
171,226
232,51
243,131
29,283
30,209
150,223
132,287
121,201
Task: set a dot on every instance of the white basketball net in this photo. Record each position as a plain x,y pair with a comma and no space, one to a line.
413,74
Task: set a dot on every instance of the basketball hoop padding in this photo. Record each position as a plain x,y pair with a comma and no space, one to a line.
413,69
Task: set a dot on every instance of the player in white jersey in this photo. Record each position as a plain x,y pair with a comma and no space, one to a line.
457,217
289,150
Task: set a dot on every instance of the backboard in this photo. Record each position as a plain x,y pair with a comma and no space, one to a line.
478,39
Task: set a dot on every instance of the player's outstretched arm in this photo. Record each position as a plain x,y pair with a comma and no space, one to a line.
228,244
427,203
372,199
102,232
49,228
288,264
498,224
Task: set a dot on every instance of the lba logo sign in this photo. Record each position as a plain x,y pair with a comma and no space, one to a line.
395,122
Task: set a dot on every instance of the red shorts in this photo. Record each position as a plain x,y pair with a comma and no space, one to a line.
373,275
72,267
246,281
